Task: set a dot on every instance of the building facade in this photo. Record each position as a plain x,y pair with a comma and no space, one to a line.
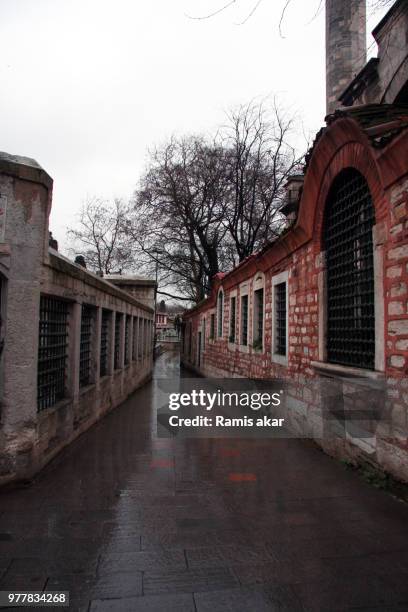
325,307
73,345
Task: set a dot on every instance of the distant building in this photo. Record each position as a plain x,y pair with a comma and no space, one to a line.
167,318
161,317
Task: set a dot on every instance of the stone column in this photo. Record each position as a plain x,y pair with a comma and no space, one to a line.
122,341
111,345
96,348
130,340
136,338
25,192
74,342
345,46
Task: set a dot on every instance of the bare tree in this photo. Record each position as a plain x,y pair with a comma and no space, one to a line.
260,159
203,206
177,218
100,238
373,5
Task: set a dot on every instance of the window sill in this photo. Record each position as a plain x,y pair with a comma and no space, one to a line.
280,359
243,348
86,388
46,412
232,346
346,371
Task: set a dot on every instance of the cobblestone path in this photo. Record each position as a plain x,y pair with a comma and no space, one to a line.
126,521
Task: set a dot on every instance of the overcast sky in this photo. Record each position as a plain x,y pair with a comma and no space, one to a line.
89,85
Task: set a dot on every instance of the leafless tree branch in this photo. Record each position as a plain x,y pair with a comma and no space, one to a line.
220,10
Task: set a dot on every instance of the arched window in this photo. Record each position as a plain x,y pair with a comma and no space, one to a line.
220,313
348,242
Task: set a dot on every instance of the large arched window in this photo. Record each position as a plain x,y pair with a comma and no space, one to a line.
348,242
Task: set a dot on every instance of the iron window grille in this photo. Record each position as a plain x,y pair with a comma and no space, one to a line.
146,335
140,341
103,356
212,327
233,315
244,320
85,347
52,352
118,323
259,316
135,336
220,312
348,244
280,319
204,330
127,340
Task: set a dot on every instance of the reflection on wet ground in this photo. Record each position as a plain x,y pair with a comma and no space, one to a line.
126,521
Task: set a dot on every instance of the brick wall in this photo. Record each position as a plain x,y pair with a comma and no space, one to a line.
299,253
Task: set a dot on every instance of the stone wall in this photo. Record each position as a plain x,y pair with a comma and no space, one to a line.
142,289
31,434
312,381
384,79
345,46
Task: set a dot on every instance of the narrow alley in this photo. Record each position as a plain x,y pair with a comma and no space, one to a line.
126,521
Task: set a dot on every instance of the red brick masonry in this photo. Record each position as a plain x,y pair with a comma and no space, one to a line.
372,139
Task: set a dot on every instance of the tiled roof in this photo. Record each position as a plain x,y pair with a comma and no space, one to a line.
380,122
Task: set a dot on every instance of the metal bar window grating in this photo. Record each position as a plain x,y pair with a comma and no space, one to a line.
280,319
259,305
118,323
190,340
220,313
140,339
104,342
135,337
233,314
350,272
52,351
212,327
85,350
244,320
127,340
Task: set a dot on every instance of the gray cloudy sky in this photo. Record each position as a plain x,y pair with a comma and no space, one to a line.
89,85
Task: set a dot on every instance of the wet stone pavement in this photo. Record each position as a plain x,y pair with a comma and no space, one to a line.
126,521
